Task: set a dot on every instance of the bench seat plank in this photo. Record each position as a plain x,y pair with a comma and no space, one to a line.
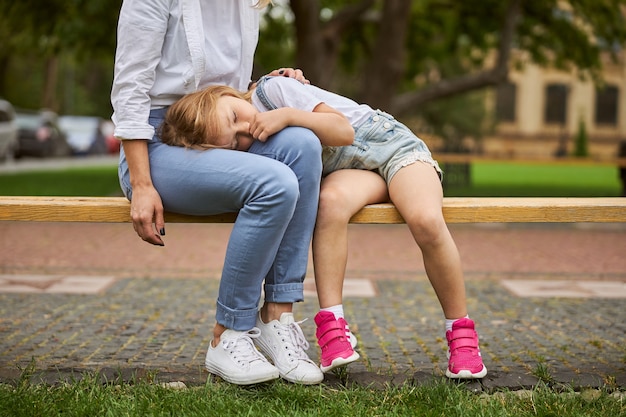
455,210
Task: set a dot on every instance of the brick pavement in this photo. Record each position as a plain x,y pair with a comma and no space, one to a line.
158,311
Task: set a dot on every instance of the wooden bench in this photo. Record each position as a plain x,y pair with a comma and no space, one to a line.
455,210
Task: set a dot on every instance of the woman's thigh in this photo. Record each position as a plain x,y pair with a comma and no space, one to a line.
217,180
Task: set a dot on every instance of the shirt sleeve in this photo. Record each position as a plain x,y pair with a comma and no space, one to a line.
289,92
140,35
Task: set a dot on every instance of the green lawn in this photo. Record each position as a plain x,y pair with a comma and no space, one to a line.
89,397
96,182
487,179
539,180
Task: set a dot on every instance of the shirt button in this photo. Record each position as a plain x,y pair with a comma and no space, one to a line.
375,118
387,125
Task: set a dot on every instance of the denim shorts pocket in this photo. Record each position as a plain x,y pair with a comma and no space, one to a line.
344,157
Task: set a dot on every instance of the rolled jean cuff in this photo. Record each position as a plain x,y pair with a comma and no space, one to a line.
240,320
284,293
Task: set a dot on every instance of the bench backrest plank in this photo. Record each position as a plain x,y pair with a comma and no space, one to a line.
455,210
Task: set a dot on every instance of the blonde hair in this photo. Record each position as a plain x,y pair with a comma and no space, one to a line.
192,121
262,3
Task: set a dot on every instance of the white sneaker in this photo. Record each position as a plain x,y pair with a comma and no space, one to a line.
236,360
283,342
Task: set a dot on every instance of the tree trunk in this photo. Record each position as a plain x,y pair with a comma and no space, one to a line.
385,69
309,52
4,65
318,44
49,99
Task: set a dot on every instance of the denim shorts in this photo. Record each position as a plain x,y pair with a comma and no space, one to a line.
381,144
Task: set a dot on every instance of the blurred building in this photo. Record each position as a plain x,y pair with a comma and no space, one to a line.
540,112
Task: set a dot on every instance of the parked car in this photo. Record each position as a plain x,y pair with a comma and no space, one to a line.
8,130
39,134
113,143
84,134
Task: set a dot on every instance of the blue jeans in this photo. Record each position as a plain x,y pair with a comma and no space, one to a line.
274,187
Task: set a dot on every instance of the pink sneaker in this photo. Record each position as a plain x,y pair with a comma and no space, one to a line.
349,335
331,336
464,361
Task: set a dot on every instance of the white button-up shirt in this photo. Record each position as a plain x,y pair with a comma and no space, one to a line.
168,48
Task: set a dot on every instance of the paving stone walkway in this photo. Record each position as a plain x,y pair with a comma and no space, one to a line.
152,308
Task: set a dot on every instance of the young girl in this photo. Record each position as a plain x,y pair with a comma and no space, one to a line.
368,157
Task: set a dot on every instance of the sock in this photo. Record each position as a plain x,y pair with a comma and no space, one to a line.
450,322
336,310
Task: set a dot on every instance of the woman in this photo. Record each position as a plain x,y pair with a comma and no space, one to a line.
169,48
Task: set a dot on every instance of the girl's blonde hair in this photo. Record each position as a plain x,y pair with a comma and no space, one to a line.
262,3
192,121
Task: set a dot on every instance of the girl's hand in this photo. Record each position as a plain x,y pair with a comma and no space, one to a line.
331,127
267,123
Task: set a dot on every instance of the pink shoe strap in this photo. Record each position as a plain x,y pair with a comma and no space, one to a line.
463,343
461,334
329,335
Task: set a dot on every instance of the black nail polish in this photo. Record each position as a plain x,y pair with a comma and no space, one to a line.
162,231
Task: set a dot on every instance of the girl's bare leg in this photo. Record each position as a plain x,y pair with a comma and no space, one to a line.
342,194
417,194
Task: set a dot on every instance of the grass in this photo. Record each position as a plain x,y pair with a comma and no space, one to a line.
512,179
487,179
88,182
90,397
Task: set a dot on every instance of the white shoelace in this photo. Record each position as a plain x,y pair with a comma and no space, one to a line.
296,343
242,349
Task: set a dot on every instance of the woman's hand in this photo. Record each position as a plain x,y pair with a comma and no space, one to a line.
146,211
291,73
284,72
146,207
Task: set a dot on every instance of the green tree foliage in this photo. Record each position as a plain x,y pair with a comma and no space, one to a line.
448,48
474,38
86,27
399,55
53,34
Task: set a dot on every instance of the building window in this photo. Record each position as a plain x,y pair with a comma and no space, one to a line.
606,105
506,94
555,111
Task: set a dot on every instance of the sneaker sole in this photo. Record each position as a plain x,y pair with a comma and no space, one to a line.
286,376
337,362
242,381
302,381
465,374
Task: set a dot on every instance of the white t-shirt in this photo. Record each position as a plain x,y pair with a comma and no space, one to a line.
288,92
